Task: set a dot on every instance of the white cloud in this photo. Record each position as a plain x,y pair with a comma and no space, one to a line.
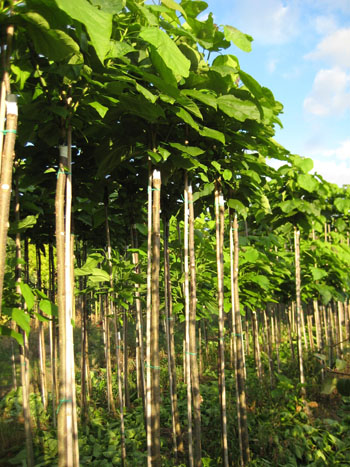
341,153
333,49
332,163
330,94
338,173
270,22
325,24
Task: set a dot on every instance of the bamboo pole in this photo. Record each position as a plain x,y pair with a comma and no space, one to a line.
24,350
219,221
148,319
193,339
6,181
187,329
177,436
154,350
238,349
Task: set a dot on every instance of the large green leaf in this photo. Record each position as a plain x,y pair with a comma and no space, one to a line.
237,206
204,97
239,109
253,86
168,50
342,204
191,150
53,43
98,23
48,307
317,273
194,7
23,224
308,182
213,134
174,6
27,295
241,40
305,164
22,319
99,275
250,255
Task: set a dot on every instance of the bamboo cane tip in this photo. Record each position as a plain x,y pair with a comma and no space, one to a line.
156,174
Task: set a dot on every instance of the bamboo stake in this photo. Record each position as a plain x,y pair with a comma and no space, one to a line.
24,350
148,319
187,330
6,181
238,349
256,345
154,350
219,221
178,442
193,340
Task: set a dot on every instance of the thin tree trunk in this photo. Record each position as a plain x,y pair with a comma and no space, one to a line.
24,352
139,336
68,454
319,340
219,220
120,389
41,336
187,322
192,335
25,401
154,347
257,355
269,347
238,350
125,354
6,181
148,320
340,325
107,313
52,334
310,333
290,315
299,309
178,442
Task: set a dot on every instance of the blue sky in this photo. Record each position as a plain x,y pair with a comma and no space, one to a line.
301,51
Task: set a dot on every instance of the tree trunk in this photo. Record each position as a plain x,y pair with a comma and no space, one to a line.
68,452
139,335
120,388
41,336
6,181
193,340
219,220
257,355
177,436
52,334
299,309
154,348
24,351
125,354
187,329
238,348
148,318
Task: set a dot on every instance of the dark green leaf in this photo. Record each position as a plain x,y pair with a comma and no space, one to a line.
98,23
